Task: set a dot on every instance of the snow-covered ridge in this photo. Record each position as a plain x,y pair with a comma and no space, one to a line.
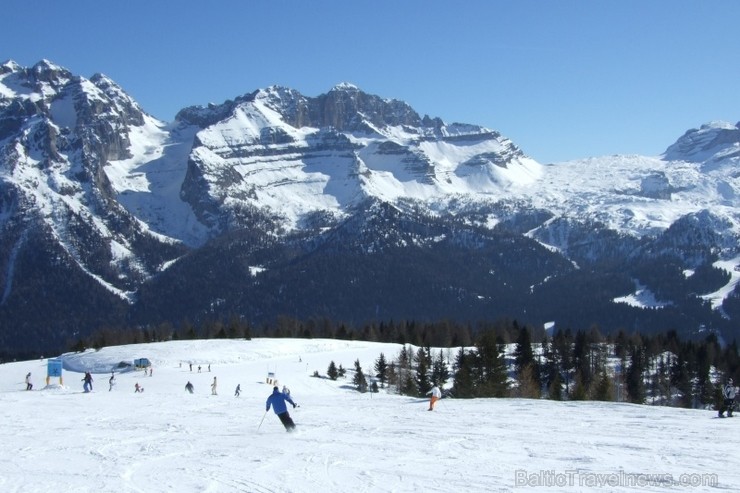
713,141
280,151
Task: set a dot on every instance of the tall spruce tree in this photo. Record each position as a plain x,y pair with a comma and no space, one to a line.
490,367
440,372
634,380
604,388
681,378
582,358
423,383
381,370
555,388
523,354
562,346
359,379
527,369
463,383
406,376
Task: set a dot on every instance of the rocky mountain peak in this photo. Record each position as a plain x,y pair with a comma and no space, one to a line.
712,141
128,109
51,73
345,87
347,108
10,66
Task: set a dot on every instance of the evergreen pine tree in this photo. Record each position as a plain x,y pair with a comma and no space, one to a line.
381,370
604,388
556,387
462,384
423,384
681,379
332,371
562,346
490,367
523,354
579,389
582,358
359,379
634,378
440,372
404,372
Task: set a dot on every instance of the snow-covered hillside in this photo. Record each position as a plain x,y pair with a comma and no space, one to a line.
58,438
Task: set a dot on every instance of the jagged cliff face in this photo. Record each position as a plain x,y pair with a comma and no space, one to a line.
295,156
346,205
712,142
59,133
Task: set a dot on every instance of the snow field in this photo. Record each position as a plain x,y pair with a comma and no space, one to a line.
165,440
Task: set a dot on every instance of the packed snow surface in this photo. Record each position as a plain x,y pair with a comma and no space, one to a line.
57,438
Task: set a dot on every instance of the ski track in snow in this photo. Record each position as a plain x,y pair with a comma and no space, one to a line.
165,440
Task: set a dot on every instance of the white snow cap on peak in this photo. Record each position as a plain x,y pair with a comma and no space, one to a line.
345,86
10,66
48,64
718,124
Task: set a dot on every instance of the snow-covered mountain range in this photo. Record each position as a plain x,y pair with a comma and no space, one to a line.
110,216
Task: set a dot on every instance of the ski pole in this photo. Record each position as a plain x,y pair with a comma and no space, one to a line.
263,418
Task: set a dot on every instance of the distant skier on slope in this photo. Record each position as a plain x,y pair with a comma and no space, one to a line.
88,379
189,387
111,381
436,395
277,400
214,385
238,390
728,392
29,385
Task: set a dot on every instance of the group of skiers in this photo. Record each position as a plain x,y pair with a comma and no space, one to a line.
278,399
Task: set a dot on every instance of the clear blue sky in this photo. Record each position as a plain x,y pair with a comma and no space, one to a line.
562,79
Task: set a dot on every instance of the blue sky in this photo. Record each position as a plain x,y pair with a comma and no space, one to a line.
562,79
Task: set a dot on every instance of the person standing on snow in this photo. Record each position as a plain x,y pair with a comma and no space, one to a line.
88,379
729,399
111,381
29,385
213,387
277,400
189,387
436,395
238,390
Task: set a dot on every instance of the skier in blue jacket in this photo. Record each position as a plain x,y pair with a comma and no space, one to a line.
277,400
